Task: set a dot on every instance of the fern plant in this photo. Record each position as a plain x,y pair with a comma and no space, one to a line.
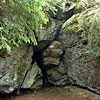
94,37
19,20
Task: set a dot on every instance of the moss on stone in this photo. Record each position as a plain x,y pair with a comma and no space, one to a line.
24,64
73,25
74,28
21,72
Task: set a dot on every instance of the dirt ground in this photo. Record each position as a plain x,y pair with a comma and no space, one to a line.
56,93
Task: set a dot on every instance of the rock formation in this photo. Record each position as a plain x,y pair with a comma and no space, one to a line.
61,51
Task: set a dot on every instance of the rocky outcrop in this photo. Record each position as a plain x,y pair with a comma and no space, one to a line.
73,66
51,30
81,67
13,69
60,54
17,69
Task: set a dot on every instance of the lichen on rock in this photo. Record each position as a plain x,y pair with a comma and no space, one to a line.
33,79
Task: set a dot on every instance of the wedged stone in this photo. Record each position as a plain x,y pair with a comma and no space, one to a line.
57,75
52,54
55,69
54,50
47,61
33,79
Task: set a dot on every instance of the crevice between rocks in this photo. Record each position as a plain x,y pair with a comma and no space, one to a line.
87,88
38,54
20,90
38,58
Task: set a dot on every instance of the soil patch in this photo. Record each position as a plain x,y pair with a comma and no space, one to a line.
56,93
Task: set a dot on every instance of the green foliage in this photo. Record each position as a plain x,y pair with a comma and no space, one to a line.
94,37
72,24
20,20
90,23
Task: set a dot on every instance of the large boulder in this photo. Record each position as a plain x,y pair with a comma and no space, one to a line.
82,69
48,34
15,66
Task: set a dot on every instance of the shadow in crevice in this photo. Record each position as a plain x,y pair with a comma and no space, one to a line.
38,58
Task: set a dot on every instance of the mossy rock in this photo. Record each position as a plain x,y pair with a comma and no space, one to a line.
72,25
24,64
21,72
85,20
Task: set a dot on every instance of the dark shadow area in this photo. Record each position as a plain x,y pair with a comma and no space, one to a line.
38,58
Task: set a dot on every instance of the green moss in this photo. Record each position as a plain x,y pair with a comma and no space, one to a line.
21,71
87,19
72,25
24,63
75,21
74,28
86,23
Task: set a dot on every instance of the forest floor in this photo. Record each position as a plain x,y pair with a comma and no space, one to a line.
56,93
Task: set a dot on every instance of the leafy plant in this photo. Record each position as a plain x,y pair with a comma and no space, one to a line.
20,19
94,37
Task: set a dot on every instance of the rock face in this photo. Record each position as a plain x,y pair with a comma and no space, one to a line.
65,60
14,66
46,35
82,68
33,79
56,72
74,66
49,31
10,78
